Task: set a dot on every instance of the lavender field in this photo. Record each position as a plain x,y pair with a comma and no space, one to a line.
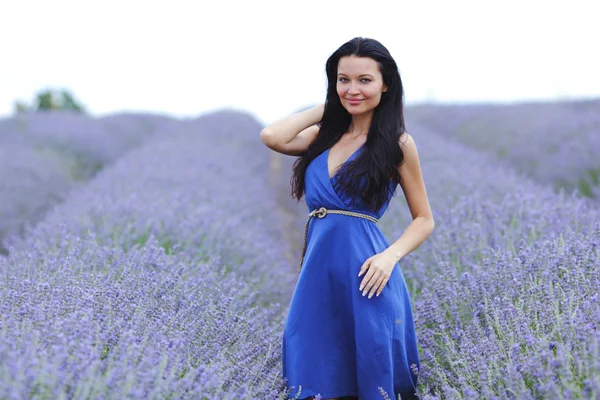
555,143
43,156
167,272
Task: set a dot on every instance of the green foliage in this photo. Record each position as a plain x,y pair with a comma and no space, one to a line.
50,100
21,107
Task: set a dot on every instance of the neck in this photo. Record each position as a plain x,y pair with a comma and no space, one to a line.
360,124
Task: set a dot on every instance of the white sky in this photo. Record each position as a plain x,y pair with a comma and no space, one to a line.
268,57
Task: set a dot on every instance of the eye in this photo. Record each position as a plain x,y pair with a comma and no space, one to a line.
363,79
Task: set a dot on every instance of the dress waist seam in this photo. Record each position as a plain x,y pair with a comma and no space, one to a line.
321,213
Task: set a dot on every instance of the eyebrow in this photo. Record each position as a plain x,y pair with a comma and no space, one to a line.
358,76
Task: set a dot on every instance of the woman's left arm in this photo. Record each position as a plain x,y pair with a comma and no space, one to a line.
415,193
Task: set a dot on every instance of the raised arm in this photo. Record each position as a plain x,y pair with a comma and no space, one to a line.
292,135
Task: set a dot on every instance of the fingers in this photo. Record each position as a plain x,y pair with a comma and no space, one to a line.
366,280
371,281
378,285
364,267
384,282
374,280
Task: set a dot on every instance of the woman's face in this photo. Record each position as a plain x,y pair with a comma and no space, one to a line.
359,78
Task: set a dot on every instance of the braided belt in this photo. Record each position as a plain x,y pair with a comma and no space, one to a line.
321,212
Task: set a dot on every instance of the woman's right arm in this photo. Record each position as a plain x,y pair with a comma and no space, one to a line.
293,134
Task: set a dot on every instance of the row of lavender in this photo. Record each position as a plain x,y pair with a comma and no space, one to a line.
555,143
162,278
505,290
43,156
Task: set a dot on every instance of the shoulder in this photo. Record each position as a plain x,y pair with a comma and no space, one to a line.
410,155
408,145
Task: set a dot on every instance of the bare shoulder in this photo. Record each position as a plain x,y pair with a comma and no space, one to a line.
410,169
408,145
412,179
411,166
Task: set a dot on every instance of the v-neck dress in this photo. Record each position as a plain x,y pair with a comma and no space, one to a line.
336,342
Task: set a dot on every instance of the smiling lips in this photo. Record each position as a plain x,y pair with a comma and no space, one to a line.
354,101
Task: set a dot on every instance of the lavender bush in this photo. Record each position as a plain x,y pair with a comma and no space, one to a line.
184,189
173,258
84,143
503,290
519,325
555,143
45,155
95,322
29,184
480,202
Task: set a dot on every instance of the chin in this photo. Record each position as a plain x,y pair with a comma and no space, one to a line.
357,110
353,109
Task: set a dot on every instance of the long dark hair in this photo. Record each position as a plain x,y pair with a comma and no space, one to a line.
381,155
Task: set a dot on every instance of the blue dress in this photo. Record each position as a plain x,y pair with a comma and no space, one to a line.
336,342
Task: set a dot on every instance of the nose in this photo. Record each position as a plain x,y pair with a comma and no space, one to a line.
352,89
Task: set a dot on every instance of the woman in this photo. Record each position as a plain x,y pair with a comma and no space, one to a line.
350,332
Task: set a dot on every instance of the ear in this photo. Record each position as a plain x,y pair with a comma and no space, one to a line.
385,88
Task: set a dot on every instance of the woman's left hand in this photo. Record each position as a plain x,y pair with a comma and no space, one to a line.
378,270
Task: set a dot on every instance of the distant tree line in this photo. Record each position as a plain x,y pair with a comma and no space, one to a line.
49,100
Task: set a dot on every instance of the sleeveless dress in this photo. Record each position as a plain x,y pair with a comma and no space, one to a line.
336,342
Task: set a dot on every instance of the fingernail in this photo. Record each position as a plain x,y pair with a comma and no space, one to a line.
360,288
365,292
371,295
